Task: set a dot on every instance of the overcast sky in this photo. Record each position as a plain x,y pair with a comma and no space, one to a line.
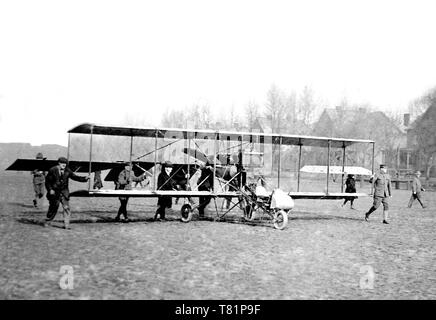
67,62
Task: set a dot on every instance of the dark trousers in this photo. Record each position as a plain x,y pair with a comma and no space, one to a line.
348,199
163,202
418,197
204,201
160,212
53,207
123,208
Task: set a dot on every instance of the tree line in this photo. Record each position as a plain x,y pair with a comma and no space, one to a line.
297,113
281,110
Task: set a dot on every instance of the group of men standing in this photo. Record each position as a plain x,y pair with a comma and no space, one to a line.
166,181
56,184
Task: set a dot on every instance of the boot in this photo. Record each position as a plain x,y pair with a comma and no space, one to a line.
371,210
157,215
201,213
385,217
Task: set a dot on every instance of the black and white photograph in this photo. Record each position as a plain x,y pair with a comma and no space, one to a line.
217,154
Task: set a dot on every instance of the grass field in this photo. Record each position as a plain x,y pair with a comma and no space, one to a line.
326,252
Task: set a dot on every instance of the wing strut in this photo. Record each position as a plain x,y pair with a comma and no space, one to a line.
279,164
90,157
155,161
372,169
343,167
299,165
328,165
214,160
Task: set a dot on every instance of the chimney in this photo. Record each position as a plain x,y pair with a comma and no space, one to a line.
406,119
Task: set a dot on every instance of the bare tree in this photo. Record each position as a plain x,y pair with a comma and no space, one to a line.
306,105
206,117
251,114
173,119
291,108
275,108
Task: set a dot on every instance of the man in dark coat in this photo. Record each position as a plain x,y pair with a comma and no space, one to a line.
416,190
350,184
165,183
205,183
56,183
382,192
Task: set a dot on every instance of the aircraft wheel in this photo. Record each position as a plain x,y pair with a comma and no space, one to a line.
280,219
186,212
250,213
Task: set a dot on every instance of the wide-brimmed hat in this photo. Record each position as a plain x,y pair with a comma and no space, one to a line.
382,166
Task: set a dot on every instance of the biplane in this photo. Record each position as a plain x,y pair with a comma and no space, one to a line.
190,151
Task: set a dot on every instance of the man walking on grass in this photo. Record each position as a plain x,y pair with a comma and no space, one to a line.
382,192
56,183
416,190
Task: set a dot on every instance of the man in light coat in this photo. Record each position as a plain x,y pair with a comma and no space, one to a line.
382,192
124,182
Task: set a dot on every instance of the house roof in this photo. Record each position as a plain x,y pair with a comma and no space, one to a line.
351,117
426,115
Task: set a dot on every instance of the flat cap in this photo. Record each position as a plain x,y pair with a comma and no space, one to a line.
62,160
